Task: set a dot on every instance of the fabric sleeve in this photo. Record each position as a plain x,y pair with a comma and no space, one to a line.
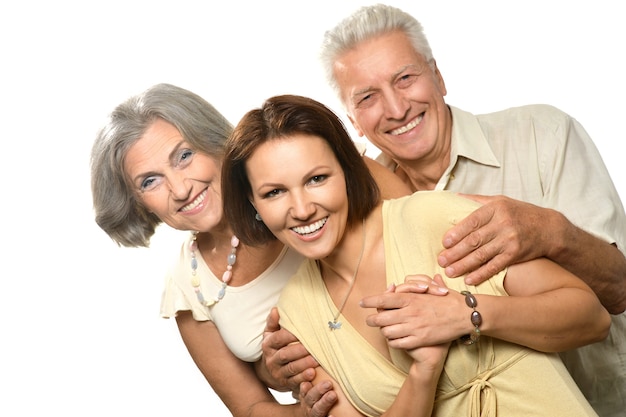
177,298
577,181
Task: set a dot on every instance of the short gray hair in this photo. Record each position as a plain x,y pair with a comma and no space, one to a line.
366,23
117,210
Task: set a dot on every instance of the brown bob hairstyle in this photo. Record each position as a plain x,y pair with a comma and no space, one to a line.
280,117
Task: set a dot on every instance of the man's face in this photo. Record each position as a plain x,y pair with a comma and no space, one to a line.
395,98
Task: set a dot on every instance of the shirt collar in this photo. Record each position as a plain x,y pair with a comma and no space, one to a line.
469,141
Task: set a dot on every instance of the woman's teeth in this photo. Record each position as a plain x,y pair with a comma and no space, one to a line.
195,202
305,230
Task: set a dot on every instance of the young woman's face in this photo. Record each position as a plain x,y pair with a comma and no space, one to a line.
299,190
179,185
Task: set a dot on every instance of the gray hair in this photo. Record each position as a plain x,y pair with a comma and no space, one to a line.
366,23
117,210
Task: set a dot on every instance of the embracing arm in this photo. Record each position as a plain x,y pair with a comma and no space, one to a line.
548,309
227,374
504,232
560,312
287,365
417,394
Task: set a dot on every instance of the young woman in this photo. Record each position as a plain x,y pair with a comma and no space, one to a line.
320,200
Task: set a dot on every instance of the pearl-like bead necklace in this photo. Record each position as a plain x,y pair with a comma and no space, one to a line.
226,277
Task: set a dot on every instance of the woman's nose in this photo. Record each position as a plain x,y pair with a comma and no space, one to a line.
302,208
180,188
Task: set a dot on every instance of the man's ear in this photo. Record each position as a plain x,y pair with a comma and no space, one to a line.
439,78
356,126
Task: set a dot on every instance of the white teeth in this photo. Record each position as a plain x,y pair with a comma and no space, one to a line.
408,127
195,202
305,230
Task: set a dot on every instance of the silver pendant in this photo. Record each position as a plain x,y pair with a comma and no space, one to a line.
334,325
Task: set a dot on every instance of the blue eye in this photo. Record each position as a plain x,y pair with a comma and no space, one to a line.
184,156
147,183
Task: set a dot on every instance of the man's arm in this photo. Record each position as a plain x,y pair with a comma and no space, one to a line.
287,366
504,231
285,363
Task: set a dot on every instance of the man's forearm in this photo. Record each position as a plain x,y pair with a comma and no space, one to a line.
601,265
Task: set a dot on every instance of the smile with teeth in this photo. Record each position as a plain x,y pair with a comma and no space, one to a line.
195,202
409,126
305,230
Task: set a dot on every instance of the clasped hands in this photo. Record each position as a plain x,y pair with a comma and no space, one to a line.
399,315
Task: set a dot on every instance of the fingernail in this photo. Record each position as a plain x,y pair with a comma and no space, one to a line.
442,290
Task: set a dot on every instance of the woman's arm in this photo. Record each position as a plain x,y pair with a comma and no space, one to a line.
549,309
549,304
227,374
417,394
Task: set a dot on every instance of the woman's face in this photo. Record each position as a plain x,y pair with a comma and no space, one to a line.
299,189
179,185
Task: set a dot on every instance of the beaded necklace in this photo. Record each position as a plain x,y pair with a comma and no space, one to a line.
226,277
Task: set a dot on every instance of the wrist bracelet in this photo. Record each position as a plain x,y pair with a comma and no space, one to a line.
476,318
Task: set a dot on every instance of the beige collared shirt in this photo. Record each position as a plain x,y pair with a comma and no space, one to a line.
541,155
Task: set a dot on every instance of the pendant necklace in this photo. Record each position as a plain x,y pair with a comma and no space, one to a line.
334,324
226,277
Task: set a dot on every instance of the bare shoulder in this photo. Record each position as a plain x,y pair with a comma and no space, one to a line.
391,186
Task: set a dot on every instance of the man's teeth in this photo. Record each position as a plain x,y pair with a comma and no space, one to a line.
408,127
195,202
305,230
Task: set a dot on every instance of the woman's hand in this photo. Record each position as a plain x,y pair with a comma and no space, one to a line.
420,312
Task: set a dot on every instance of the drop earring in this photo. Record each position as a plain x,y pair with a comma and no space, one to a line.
258,217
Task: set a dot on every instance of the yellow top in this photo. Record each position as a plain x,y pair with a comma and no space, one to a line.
488,378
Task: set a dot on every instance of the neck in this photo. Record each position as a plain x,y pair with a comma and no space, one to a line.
215,239
341,263
420,176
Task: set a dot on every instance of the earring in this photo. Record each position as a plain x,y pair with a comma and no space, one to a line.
258,217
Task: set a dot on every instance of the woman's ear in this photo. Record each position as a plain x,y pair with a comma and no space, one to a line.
257,216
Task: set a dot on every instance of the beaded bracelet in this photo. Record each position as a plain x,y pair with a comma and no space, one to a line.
476,318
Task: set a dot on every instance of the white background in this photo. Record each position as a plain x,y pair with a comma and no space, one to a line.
80,330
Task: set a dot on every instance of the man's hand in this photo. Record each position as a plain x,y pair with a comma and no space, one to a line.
317,400
287,363
500,233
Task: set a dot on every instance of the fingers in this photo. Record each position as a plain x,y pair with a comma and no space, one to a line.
422,284
293,365
277,339
271,324
485,240
317,399
488,270
481,263
286,360
299,371
438,279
